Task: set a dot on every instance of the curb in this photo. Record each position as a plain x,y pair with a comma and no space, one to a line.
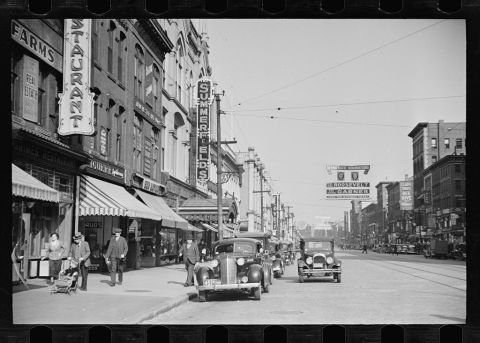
175,302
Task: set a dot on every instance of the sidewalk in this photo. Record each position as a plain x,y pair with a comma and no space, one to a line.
144,294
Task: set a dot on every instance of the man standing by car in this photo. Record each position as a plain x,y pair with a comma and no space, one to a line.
116,253
191,255
80,253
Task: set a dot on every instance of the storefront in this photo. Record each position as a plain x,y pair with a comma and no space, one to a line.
104,205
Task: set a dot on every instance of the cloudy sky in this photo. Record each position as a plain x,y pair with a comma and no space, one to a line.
339,91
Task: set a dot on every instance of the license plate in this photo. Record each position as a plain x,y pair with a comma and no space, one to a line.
211,282
318,265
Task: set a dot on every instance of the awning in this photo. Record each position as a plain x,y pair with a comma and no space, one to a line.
157,204
102,198
190,227
209,227
205,210
25,185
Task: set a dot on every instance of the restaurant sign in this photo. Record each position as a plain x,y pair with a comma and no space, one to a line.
76,102
348,182
204,100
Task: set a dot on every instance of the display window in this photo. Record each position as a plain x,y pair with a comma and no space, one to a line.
166,246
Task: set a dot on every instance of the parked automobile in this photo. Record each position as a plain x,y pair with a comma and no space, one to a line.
318,259
437,248
411,249
460,252
236,266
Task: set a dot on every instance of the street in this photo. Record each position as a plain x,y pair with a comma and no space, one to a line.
375,288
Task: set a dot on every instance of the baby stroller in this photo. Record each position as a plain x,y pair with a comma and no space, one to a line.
67,280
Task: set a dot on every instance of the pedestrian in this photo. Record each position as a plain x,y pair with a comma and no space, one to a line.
203,250
364,249
116,253
191,255
80,254
395,249
55,253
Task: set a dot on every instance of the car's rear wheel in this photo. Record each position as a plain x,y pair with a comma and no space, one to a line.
257,293
339,277
202,296
301,279
266,287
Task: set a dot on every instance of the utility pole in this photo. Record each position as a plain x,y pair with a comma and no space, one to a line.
288,219
261,191
219,172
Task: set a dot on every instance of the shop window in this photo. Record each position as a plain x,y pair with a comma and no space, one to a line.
166,246
139,73
458,168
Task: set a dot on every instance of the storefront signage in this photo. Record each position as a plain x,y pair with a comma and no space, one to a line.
204,100
103,141
110,170
93,225
274,213
406,195
30,89
35,44
147,114
348,182
152,186
76,102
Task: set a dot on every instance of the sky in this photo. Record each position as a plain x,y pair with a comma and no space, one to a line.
349,92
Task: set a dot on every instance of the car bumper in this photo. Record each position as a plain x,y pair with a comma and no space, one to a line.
232,286
318,272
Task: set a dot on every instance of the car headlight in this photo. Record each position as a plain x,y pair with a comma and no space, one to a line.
244,279
329,260
214,263
273,258
309,260
241,261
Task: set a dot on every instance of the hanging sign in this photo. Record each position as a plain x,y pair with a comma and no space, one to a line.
76,101
348,182
204,100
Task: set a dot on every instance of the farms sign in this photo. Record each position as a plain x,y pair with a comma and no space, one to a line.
204,100
348,182
76,101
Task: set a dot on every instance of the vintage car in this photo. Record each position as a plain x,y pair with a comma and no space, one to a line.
236,266
318,259
267,258
460,252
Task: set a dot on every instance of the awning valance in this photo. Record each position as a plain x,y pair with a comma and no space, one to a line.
190,227
209,227
205,210
157,204
102,198
25,185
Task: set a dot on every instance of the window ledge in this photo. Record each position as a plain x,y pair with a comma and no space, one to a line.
96,64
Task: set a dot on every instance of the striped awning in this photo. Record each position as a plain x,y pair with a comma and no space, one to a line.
209,227
25,185
190,227
157,204
102,198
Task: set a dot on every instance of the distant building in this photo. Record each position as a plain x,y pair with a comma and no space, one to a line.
444,198
369,224
400,216
431,142
382,210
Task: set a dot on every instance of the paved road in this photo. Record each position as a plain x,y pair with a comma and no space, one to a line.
375,288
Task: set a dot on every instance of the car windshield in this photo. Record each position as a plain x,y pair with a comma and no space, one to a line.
318,245
239,247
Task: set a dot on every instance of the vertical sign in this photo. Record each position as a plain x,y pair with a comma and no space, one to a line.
204,100
30,89
148,78
274,214
406,195
103,141
76,101
147,159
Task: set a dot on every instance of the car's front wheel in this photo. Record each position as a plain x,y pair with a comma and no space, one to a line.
339,277
266,286
301,279
202,296
257,292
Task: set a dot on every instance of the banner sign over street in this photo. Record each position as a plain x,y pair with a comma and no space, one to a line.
76,102
348,182
204,100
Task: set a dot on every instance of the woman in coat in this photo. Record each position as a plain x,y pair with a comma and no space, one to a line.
55,253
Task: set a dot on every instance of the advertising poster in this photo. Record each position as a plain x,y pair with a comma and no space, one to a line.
348,182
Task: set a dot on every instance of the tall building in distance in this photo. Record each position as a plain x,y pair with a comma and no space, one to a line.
431,142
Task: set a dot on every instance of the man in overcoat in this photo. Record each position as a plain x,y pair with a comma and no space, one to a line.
116,254
191,255
80,253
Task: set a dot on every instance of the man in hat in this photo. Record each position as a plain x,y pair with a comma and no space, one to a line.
116,253
80,254
191,255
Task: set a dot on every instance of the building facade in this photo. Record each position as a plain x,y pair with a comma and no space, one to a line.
382,211
401,226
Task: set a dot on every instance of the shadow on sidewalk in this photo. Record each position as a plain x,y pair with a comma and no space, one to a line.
176,282
21,288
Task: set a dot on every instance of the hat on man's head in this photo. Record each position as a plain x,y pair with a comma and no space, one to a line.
78,235
117,229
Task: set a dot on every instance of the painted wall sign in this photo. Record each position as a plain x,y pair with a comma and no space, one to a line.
30,89
105,168
147,114
147,157
152,186
35,44
76,102
406,195
348,182
204,100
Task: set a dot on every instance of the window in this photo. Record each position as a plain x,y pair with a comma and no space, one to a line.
458,143
155,151
163,138
15,81
163,73
121,49
434,159
139,73
111,40
447,143
118,139
93,139
179,72
191,101
434,142
458,169
156,89
96,24
137,143
458,186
